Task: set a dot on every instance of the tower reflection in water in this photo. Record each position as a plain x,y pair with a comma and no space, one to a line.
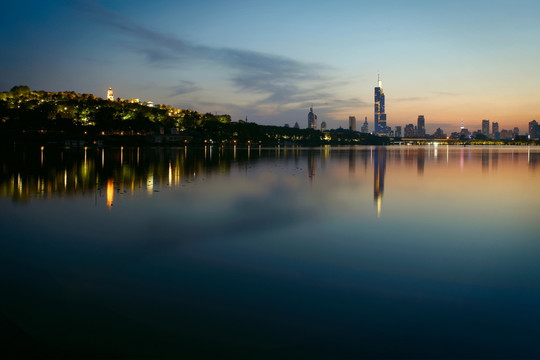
379,168
312,165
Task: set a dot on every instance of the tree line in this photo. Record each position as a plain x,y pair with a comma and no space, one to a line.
25,113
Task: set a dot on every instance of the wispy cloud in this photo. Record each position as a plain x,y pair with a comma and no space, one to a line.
184,87
282,79
411,98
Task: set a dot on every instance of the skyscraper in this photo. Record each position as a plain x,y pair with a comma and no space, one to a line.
380,115
352,123
421,127
485,127
495,131
312,119
365,127
534,130
110,95
323,126
409,131
397,133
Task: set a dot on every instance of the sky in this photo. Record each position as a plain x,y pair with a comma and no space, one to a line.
269,61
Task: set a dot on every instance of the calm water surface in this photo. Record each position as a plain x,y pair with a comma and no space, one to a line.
364,252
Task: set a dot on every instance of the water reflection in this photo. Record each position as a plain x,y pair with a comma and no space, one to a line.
197,252
312,165
45,172
379,169
110,193
420,160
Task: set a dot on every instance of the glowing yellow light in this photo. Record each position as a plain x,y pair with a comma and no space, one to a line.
110,192
150,184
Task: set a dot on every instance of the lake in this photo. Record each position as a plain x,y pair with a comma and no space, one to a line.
286,252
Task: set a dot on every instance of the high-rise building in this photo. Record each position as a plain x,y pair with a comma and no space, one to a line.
352,123
323,126
534,130
506,134
110,94
365,127
380,114
312,119
409,131
439,134
398,131
516,131
485,127
495,131
421,127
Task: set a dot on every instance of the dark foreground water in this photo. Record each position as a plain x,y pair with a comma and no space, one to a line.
397,252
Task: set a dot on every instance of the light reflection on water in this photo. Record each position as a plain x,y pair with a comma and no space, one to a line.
328,252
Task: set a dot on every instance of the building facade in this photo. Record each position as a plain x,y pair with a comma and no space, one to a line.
365,127
380,111
323,126
312,119
421,126
485,127
495,131
534,130
409,131
352,123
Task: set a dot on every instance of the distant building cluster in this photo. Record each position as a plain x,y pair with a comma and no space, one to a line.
409,131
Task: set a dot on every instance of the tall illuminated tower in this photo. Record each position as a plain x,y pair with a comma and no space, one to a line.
312,119
380,115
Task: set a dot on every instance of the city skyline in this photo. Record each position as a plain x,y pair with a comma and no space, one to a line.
269,62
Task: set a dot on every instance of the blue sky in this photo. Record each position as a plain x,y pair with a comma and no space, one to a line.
270,60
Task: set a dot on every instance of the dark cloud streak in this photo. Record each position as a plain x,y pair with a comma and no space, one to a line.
251,71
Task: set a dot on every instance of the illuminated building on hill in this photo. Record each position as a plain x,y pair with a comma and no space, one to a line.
110,94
